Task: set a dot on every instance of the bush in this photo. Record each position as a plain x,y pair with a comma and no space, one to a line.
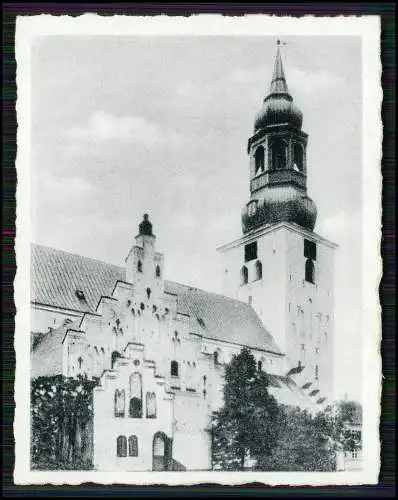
61,422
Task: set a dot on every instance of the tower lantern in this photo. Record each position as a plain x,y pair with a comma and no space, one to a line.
278,161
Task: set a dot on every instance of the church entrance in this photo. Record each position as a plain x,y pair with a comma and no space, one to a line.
160,452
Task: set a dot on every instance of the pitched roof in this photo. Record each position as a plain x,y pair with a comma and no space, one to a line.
47,352
222,318
57,275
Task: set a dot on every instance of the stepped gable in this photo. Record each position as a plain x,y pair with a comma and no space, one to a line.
57,276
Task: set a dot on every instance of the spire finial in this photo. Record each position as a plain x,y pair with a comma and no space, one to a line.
278,82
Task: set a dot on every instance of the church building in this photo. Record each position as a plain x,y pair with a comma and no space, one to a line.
158,348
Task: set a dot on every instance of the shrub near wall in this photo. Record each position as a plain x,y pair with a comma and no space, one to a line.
61,422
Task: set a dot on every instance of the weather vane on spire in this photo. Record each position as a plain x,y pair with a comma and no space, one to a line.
279,42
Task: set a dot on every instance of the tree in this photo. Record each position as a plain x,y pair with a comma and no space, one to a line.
247,424
304,443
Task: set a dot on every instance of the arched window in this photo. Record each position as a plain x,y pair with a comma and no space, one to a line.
80,362
259,270
298,158
135,395
115,356
119,402
139,266
259,159
309,271
174,368
133,446
150,405
158,446
260,366
157,271
148,293
121,446
244,275
216,357
278,153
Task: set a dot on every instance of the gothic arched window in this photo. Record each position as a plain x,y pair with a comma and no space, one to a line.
133,446
157,272
309,271
139,266
121,446
115,356
244,275
278,153
135,396
174,368
119,402
259,159
298,157
259,270
150,405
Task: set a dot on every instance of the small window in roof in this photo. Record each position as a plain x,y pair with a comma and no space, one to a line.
201,322
80,295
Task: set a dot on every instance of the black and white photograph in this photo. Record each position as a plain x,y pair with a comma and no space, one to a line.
198,206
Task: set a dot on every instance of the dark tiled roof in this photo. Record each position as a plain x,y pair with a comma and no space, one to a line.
57,275
222,318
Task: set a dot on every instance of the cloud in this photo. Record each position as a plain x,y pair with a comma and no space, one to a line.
103,126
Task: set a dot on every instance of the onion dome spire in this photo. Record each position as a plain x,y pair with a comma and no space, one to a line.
278,107
278,82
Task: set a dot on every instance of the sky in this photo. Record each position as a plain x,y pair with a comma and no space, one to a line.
122,126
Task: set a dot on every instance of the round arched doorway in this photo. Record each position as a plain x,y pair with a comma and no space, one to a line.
160,452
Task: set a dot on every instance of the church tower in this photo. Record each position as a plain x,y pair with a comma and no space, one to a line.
280,265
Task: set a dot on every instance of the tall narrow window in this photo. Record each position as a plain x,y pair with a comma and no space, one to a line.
244,275
119,403
121,446
259,159
174,369
150,405
260,366
157,272
309,249
258,270
309,271
251,251
135,396
298,158
115,356
278,153
216,357
316,372
80,362
133,446
139,266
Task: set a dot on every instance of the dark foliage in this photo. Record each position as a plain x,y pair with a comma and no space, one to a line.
61,423
247,423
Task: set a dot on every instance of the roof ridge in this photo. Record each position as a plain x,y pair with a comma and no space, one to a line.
38,245
208,292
